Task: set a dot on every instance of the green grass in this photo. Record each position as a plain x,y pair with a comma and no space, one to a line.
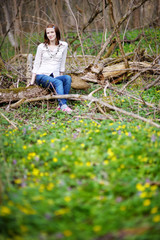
72,178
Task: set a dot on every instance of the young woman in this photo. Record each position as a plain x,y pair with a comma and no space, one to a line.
49,65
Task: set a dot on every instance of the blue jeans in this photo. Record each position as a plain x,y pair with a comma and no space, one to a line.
60,85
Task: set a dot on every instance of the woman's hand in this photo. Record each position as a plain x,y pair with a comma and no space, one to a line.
29,84
32,80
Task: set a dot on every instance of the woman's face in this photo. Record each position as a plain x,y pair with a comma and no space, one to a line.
51,34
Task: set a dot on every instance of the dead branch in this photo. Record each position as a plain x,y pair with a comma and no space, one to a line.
152,84
70,9
132,80
117,35
92,99
94,14
131,9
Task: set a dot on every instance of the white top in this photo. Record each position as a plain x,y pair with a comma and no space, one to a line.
49,61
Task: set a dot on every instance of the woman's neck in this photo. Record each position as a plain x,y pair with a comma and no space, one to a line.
52,43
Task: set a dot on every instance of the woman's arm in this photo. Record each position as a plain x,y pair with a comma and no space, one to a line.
63,62
32,80
36,65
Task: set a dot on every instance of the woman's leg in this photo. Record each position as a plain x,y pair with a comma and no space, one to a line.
60,84
66,79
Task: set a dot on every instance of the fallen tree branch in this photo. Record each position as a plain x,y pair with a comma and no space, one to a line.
92,99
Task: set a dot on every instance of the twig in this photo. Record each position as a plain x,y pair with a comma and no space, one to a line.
106,115
96,90
8,120
68,4
107,85
131,4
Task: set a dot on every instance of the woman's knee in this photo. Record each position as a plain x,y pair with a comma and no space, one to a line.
68,78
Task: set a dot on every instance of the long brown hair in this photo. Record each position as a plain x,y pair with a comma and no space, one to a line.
58,35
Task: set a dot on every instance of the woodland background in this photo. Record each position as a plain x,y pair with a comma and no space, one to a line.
21,16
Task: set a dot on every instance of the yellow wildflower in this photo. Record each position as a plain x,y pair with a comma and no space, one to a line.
147,202
154,210
35,172
110,152
147,185
50,202
92,176
156,218
5,211
153,188
18,181
31,155
67,233
122,166
88,164
67,199
114,133
50,186
140,187
72,175
55,159
122,208
39,141
61,211
41,188
97,228
106,162
143,195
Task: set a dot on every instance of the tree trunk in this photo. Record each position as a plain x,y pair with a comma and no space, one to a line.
8,23
136,17
15,94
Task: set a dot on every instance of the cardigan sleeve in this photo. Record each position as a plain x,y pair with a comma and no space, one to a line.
63,62
38,57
